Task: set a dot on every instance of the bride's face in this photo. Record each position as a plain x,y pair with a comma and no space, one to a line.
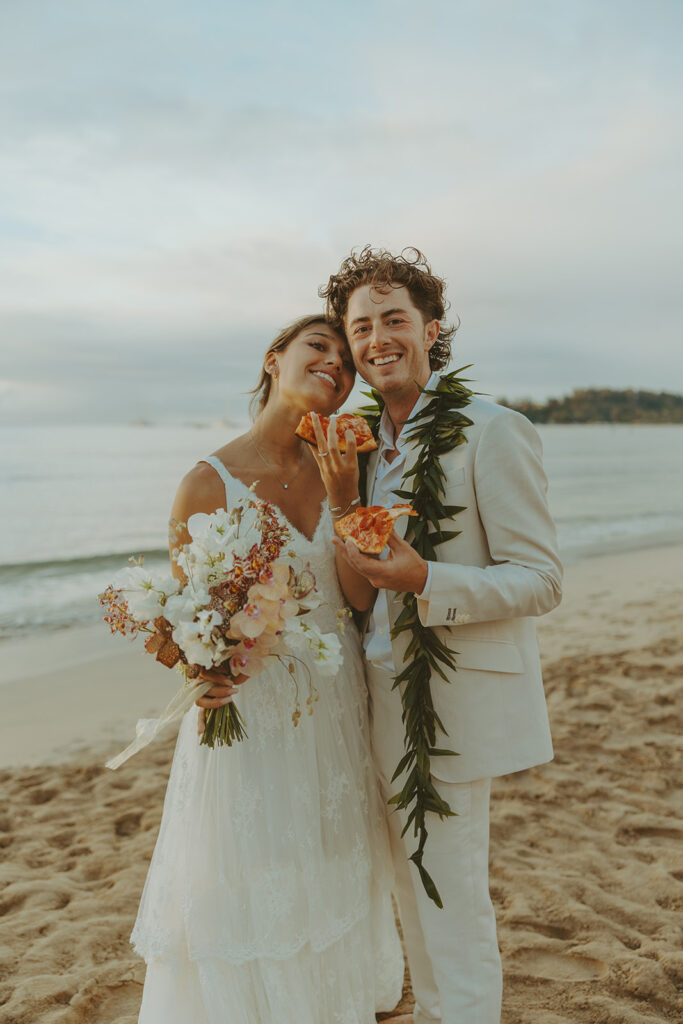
315,372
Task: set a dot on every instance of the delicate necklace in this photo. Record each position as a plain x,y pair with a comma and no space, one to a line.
264,460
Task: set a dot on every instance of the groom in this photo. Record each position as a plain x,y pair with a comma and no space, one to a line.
479,596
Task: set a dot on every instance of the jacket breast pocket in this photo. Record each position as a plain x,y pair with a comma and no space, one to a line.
455,478
486,655
455,489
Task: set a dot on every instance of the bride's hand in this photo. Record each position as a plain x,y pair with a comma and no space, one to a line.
339,470
221,693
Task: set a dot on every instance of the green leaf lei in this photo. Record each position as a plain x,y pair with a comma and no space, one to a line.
438,428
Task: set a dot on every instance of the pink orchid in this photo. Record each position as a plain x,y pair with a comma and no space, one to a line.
245,663
273,585
256,616
269,605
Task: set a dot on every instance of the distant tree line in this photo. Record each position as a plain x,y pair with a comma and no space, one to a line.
602,405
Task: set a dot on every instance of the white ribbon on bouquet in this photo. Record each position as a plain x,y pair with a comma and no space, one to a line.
147,729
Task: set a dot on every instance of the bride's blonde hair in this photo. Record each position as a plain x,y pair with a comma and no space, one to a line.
286,336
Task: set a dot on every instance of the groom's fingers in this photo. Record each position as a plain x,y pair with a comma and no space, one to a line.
363,564
397,544
353,557
403,570
345,551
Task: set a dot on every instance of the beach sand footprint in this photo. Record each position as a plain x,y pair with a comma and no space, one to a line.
128,824
117,1003
548,931
40,795
541,963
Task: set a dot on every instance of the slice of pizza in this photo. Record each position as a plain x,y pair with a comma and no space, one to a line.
365,442
370,528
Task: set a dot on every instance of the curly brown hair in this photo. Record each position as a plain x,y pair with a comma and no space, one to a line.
382,270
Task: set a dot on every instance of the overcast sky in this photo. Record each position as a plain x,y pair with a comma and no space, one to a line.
177,179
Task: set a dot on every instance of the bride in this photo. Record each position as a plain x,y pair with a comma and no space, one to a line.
268,895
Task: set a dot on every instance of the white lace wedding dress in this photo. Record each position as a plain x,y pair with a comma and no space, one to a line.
268,896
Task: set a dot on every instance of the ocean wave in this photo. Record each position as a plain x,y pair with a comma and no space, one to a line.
20,570
35,596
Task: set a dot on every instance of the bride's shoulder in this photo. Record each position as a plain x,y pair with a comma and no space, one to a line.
236,455
200,490
202,477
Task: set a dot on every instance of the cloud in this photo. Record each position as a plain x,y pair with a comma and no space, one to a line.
185,181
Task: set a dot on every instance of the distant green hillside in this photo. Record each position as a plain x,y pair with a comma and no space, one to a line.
600,405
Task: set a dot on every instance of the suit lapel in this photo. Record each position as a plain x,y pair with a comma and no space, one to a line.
373,461
401,524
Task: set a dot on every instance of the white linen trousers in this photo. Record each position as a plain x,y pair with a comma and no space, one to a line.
453,954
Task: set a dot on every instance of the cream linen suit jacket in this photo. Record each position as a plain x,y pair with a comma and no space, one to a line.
486,588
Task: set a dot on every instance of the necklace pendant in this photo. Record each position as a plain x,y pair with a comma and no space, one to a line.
285,486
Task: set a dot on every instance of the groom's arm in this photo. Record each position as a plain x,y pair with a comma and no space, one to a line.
526,575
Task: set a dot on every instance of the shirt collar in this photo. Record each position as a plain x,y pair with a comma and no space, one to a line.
386,427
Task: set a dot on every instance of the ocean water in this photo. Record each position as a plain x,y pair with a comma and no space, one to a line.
76,502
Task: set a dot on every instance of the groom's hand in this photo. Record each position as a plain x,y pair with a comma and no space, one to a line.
402,570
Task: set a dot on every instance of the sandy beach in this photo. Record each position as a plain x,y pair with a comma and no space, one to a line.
586,866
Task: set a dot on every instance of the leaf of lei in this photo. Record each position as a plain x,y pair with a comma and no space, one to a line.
437,428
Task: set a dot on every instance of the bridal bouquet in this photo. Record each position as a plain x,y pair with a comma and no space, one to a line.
244,600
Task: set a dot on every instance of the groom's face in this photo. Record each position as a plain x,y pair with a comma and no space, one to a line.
389,339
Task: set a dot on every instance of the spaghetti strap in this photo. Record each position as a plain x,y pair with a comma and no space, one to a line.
216,464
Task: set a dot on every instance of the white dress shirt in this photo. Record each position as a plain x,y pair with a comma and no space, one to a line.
388,480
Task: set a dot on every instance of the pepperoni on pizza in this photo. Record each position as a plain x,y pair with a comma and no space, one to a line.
370,528
365,442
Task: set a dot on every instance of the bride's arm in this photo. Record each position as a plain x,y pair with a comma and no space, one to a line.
357,590
201,490
339,472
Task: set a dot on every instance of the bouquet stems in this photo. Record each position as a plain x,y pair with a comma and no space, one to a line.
223,726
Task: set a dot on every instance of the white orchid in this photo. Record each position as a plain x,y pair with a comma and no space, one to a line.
300,635
217,540
201,648
216,534
328,653
146,593
186,605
